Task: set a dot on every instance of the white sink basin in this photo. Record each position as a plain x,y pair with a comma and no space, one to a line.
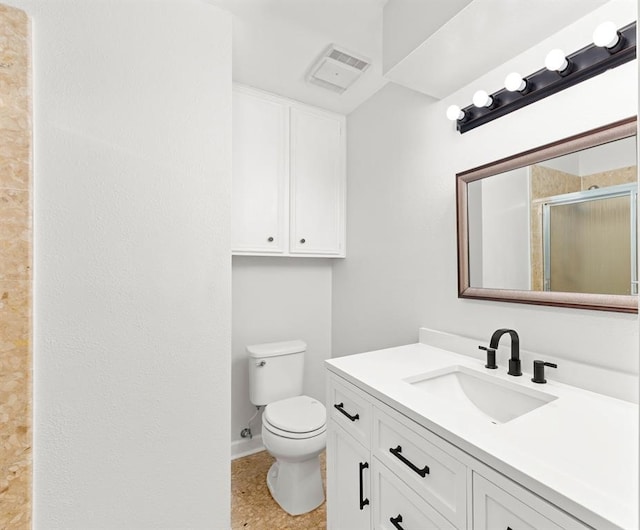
480,394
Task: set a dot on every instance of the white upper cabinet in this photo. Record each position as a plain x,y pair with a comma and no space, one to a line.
288,177
317,182
260,173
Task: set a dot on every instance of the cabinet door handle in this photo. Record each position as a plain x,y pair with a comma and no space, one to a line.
340,407
303,241
363,502
270,239
396,452
395,521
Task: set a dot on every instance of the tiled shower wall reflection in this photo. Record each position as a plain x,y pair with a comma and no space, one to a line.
15,271
547,182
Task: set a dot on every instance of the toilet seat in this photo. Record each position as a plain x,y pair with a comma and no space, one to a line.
296,417
293,435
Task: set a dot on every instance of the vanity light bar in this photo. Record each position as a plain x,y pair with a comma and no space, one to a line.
579,66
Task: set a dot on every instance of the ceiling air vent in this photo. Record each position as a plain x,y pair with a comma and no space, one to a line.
337,69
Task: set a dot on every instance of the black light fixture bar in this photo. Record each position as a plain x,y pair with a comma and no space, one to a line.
583,64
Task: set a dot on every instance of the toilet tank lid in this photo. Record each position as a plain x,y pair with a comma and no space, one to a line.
271,349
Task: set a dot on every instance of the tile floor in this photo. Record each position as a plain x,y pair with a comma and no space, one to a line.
253,508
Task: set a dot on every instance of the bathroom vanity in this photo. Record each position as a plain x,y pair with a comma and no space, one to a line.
420,437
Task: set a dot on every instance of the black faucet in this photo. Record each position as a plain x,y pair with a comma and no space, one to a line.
514,362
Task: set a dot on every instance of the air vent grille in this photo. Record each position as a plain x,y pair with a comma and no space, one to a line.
337,69
348,59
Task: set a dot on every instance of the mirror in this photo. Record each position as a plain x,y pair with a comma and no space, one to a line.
556,225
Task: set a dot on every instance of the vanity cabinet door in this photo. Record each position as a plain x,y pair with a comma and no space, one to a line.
494,508
350,410
260,174
348,482
397,507
435,475
317,183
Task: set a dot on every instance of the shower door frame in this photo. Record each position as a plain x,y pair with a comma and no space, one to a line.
610,192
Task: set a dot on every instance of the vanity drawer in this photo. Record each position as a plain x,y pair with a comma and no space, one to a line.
434,474
397,502
494,508
350,409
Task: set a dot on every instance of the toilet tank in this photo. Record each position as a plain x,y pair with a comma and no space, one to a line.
276,371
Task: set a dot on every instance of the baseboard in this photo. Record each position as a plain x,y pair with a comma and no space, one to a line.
246,447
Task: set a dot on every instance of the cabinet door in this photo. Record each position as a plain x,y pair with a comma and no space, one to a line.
406,449
260,169
317,183
349,409
398,507
494,508
348,482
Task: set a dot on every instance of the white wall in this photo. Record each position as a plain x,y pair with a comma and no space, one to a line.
276,299
379,289
605,157
408,23
506,263
132,264
401,271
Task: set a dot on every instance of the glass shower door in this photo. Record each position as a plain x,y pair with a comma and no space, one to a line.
590,242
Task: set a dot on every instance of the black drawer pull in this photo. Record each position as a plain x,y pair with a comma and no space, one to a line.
363,502
395,521
396,452
340,407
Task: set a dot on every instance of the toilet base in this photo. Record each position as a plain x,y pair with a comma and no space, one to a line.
296,486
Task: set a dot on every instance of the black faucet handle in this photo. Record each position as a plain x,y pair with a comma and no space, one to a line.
491,357
538,371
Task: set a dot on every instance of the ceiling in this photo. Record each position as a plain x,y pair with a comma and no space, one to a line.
481,37
275,42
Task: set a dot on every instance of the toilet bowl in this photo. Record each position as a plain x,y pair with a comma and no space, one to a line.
294,432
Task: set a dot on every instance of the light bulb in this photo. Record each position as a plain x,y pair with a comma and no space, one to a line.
455,113
482,99
606,35
556,60
514,82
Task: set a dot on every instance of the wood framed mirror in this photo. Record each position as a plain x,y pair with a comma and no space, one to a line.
555,225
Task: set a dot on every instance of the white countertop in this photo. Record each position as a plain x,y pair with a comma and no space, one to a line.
579,451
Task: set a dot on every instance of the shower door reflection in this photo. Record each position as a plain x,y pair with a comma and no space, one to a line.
590,241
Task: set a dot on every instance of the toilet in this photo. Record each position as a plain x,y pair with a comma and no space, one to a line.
294,426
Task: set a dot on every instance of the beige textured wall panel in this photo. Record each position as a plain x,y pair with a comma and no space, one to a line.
625,175
15,271
545,182
15,137
537,265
